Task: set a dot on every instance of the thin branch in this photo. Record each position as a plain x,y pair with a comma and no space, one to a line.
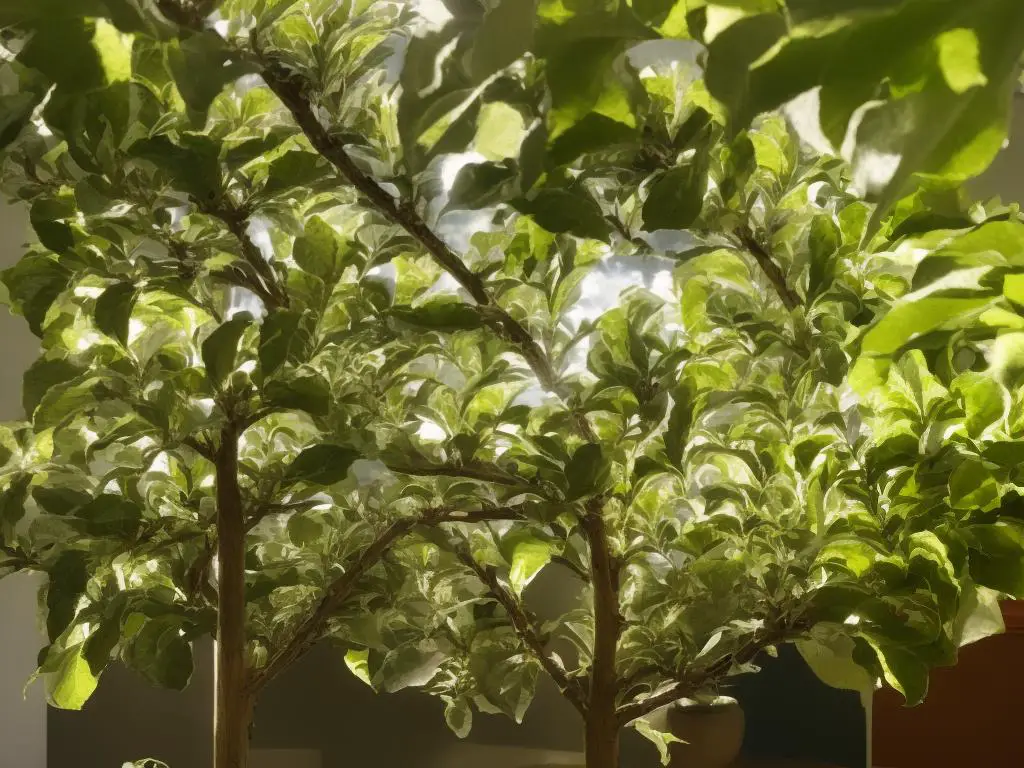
494,514
790,298
489,473
526,628
203,449
688,684
291,90
309,632
268,287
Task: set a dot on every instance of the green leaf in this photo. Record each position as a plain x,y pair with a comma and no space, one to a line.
560,210
323,464
831,657
293,169
68,577
161,654
972,486
322,252
479,185
903,670
358,662
220,349
110,515
504,35
997,557
202,64
588,81
304,391
586,470
440,315
113,310
303,530
458,713
33,284
913,318
979,616
662,740
78,54
527,555
12,504
193,166
42,376
73,682
985,400
279,339
675,199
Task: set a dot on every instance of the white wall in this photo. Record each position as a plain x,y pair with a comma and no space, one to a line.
22,720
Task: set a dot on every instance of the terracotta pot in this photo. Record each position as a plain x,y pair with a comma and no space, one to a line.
713,733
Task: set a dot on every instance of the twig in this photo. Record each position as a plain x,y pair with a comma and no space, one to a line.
790,298
309,632
290,89
268,288
527,630
473,470
692,683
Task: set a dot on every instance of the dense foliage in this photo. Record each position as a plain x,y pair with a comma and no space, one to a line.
328,347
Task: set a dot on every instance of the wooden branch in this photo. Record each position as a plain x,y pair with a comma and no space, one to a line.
309,632
201,448
790,298
268,288
526,628
489,473
291,90
689,684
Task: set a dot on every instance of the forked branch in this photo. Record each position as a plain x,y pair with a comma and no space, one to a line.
527,629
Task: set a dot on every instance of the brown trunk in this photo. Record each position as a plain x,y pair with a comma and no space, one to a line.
602,739
233,706
602,725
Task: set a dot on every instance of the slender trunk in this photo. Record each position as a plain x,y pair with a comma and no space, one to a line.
602,739
602,726
233,707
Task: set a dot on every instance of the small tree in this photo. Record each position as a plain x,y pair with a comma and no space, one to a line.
276,403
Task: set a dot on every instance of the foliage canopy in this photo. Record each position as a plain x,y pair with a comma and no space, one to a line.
315,286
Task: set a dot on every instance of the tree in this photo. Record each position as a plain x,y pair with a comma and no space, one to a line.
277,402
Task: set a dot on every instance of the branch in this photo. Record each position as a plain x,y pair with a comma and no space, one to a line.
268,288
312,628
489,473
291,90
690,684
790,298
527,630
203,449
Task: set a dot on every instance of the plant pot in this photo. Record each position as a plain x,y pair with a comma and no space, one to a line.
712,730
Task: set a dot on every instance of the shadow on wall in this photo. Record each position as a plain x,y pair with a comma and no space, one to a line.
128,719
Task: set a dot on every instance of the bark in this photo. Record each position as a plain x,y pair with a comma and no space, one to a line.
233,704
602,738
602,723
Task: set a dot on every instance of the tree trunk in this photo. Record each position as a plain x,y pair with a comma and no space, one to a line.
233,705
602,725
602,739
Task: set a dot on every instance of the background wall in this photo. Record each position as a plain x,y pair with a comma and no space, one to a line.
22,720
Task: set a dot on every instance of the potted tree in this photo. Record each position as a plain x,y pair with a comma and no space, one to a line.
243,297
